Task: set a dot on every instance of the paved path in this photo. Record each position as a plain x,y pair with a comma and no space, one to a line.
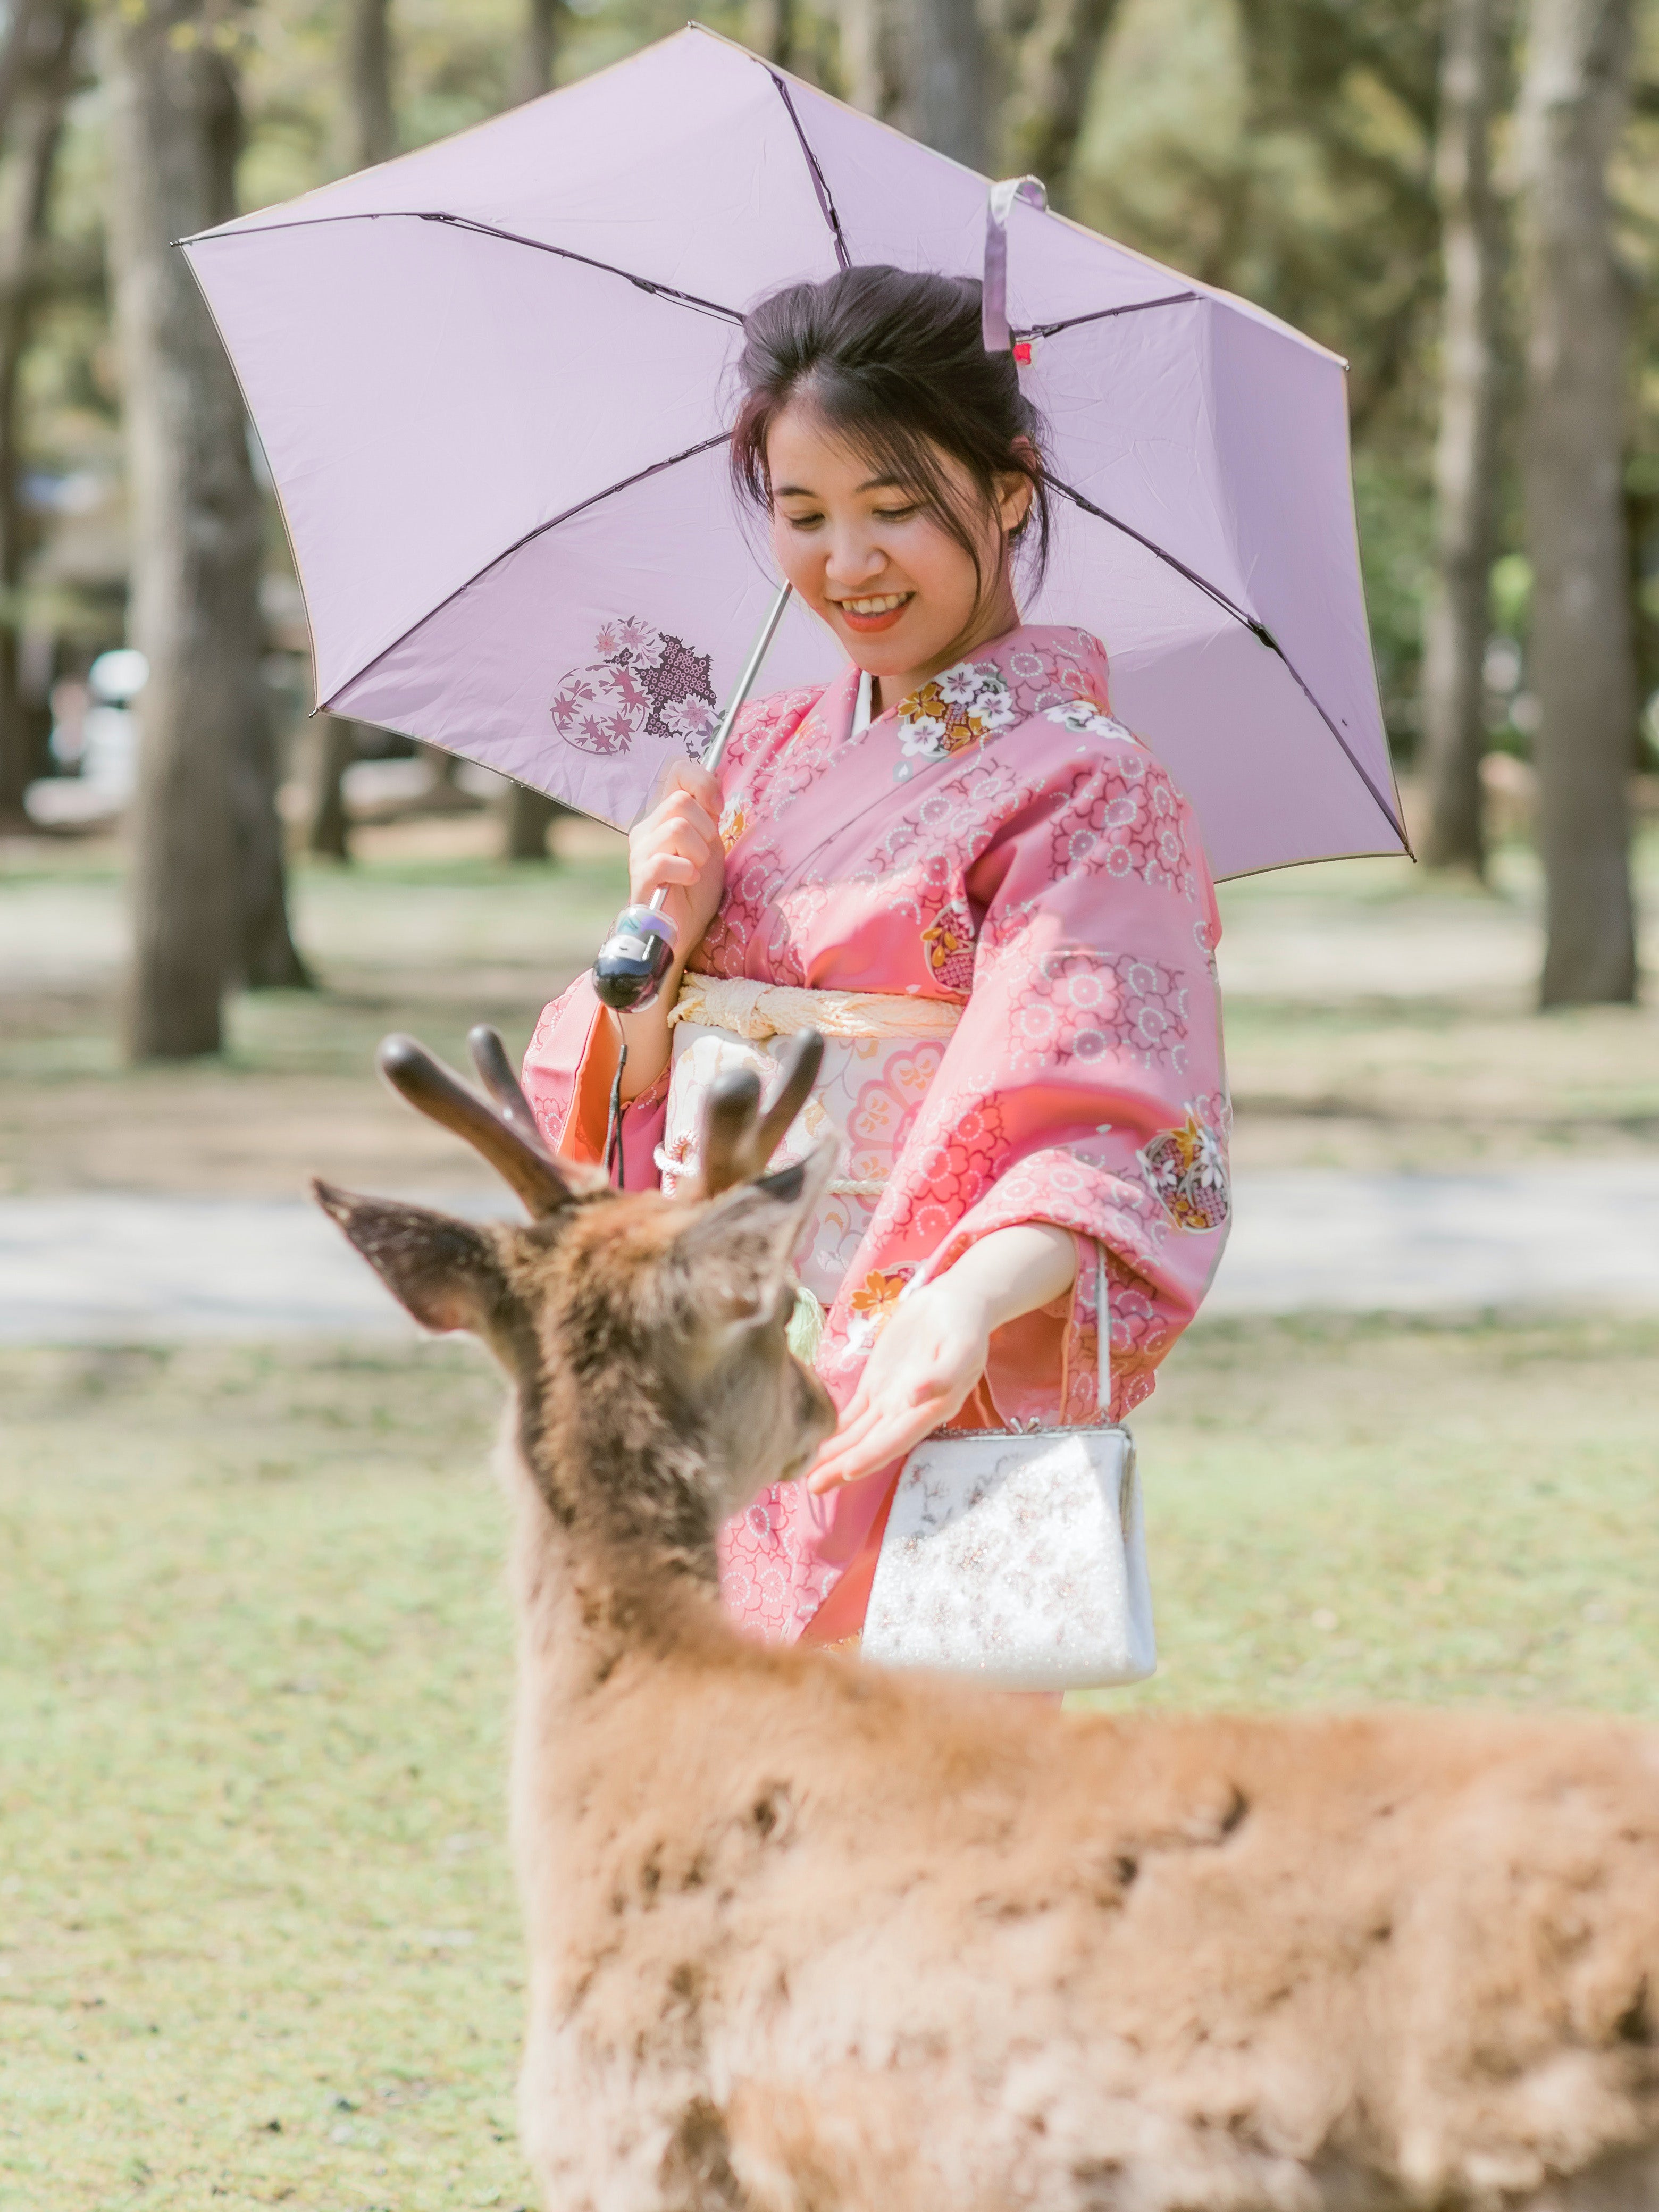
121,1269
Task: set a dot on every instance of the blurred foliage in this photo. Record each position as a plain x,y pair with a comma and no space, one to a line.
1282,148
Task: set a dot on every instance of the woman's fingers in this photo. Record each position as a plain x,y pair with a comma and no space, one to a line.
668,868
681,832
673,848
880,1433
889,1436
692,776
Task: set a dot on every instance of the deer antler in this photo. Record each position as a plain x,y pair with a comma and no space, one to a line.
506,1135
737,1140
495,1071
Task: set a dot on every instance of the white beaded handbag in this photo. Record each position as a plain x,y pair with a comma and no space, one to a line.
1018,1557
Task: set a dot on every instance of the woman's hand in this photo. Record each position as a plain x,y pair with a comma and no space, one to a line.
676,848
925,1363
933,1350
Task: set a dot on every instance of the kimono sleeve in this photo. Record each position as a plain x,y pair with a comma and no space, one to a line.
1085,1084
568,1069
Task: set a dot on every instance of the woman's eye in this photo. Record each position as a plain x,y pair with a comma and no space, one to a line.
803,521
895,513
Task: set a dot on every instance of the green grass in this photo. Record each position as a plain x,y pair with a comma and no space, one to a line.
258,1942
1354,1509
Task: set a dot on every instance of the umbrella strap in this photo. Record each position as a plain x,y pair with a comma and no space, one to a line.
993,302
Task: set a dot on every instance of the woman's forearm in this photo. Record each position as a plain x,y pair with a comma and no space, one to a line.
647,1037
1014,1271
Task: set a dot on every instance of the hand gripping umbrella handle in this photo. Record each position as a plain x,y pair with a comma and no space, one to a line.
636,957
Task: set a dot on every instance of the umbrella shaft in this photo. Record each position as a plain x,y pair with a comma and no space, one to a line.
711,759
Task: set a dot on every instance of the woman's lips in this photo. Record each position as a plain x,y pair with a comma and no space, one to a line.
871,625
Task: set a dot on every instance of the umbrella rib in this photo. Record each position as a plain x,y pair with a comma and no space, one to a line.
1258,629
488,230
1102,314
820,184
624,484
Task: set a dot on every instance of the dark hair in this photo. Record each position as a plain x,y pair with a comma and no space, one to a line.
894,361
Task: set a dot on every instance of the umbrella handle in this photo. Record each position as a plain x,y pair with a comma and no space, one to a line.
993,292
636,955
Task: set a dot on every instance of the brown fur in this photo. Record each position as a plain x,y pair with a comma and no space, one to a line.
805,1937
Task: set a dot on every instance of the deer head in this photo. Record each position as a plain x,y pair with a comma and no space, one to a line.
645,1336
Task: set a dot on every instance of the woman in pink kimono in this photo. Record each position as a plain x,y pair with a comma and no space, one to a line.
957,863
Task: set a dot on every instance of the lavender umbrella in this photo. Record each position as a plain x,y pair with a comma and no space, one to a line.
493,380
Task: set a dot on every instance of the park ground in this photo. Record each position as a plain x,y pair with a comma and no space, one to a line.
258,1942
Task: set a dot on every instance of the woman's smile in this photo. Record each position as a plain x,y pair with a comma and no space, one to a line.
878,612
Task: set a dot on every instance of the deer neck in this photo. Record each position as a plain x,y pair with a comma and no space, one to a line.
614,1548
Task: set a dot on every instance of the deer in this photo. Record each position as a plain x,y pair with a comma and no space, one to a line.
806,1935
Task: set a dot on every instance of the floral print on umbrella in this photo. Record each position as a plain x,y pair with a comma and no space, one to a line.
645,682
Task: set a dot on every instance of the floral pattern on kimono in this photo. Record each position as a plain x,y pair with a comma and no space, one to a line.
1000,841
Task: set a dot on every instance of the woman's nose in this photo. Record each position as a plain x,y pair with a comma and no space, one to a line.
854,560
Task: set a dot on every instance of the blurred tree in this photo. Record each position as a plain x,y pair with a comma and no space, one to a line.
1473,259
1572,107
1053,64
367,133
197,550
37,72
1283,149
538,51
366,51
770,30
529,818
874,59
1349,89
948,74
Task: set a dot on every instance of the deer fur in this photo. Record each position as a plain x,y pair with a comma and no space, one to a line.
808,1937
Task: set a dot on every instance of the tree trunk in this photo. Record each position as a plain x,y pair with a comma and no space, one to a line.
196,530
37,75
950,80
771,30
1466,453
367,134
538,53
873,60
267,959
529,816
1572,105
329,834
1054,70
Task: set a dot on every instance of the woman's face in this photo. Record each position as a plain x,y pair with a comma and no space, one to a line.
869,558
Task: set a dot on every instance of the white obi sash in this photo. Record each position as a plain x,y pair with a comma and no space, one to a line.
881,1050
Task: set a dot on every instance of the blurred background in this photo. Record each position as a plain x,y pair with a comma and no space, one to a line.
257,1936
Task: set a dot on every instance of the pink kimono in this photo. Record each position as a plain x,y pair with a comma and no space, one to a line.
997,840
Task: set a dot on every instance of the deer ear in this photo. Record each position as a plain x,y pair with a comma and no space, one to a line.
446,1272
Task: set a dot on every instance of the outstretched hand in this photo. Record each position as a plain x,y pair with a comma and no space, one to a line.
934,1348
925,1363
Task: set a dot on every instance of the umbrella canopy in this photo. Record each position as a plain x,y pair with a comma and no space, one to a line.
495,380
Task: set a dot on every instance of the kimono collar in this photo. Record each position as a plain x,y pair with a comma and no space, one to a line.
1026,671
861,703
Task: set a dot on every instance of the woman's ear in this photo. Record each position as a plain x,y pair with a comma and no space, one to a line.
1016,490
